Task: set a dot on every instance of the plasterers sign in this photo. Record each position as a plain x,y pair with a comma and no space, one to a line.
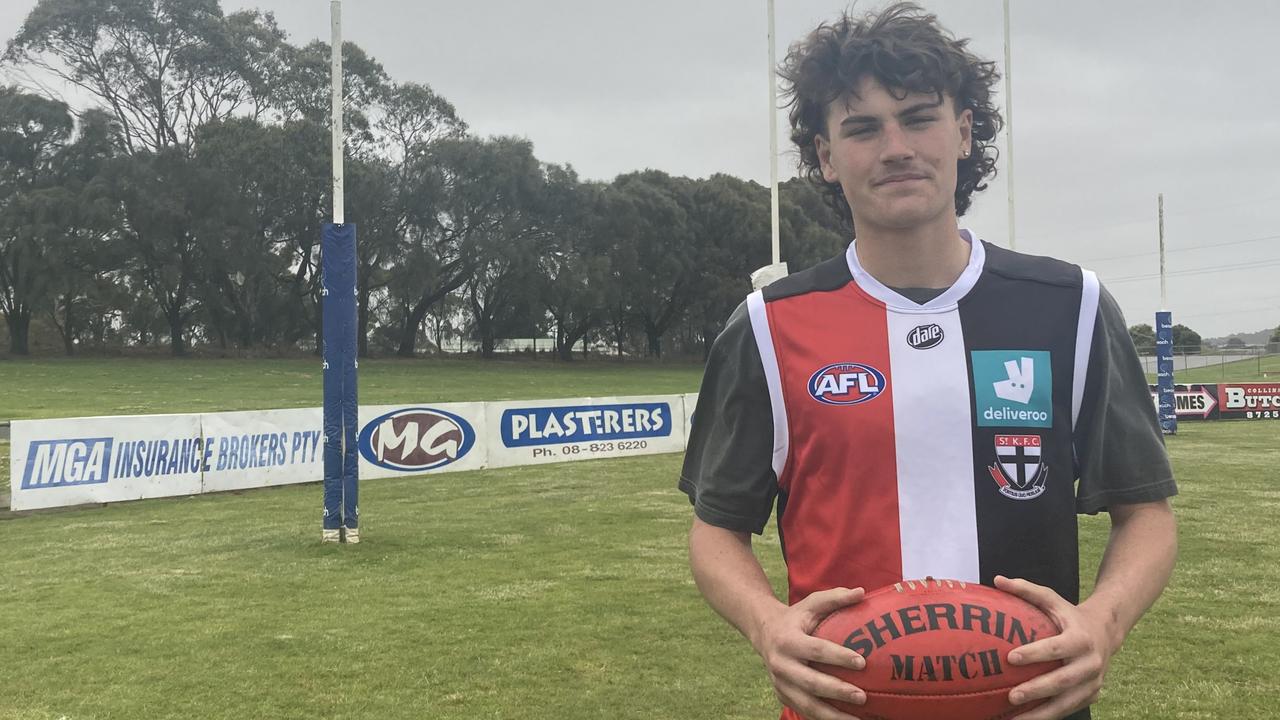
543,431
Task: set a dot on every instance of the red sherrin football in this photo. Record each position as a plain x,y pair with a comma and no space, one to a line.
937,650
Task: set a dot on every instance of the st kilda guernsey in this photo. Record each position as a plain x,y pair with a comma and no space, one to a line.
954,439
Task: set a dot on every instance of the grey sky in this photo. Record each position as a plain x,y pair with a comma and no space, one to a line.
1114,102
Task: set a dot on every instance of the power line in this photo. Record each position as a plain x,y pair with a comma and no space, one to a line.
1273,305
1199,271
1183,249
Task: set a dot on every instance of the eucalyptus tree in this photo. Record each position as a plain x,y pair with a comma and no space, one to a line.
461,200
33,131
655,254
574,268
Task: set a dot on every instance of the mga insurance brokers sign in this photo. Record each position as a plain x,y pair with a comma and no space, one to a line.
76,461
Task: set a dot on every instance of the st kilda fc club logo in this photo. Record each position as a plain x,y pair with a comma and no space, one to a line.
1019,470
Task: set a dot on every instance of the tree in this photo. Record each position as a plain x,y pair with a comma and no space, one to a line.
574,267
1144,338
244,264
162,68
457,201
502,293
1185,340
650,221
810,229
84,256
164,196
730,222
1273,344
33,130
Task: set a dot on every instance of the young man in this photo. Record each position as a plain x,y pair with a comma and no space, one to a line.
925,404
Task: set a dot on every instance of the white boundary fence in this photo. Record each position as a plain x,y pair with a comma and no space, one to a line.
73,461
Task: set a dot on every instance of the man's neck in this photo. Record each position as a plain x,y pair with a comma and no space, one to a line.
930,256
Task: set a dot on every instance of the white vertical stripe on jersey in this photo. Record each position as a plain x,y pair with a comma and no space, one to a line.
1084,340
764,341
932,420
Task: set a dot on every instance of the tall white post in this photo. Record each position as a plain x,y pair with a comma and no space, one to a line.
773,139
777,269
1164,297
1008,117
335,55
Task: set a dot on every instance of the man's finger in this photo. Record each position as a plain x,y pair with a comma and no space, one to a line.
817,650
825,602
1054,647
807,704
1038,595
818,683
1050,684
1058,707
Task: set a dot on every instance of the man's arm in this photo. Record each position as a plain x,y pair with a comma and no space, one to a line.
735,586
1134,571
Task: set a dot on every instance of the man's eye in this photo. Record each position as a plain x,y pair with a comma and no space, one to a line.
861,131
920,120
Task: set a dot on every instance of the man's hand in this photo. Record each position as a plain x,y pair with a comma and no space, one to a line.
1084,646
786,644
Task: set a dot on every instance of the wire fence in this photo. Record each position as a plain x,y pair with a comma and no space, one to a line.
1212,364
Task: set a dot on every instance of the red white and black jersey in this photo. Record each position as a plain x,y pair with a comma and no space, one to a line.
956,439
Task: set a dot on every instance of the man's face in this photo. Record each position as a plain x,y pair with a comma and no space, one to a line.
895,158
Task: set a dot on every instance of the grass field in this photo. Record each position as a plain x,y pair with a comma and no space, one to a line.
557,592
1255,369
45,388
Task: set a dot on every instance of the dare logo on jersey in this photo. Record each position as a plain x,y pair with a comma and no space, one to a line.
924,337
846,383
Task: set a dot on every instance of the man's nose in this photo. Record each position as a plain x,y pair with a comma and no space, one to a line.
895,148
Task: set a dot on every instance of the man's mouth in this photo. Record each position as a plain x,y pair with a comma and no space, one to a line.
901,177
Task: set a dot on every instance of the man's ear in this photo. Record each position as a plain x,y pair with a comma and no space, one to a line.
823,147
965,121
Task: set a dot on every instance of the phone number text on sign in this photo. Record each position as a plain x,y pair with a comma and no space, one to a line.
590,448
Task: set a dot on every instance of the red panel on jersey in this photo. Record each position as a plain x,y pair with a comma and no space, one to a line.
833,359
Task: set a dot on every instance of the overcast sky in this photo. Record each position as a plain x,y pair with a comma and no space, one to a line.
1114,102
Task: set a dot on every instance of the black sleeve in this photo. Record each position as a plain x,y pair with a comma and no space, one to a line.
728,471
1120,453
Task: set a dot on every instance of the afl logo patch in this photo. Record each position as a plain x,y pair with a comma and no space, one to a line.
924,337
846,383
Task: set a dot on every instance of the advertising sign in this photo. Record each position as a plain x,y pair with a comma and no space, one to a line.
1249,401
262,448
94,460
1224,401
528,432
399,440
108,459
1167,407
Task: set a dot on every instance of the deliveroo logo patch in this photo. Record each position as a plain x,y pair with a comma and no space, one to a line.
1013,388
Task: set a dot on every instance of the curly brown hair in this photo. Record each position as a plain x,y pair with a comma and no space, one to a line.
905,49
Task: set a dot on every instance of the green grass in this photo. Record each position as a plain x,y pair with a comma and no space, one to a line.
1254,369
555,591
44,388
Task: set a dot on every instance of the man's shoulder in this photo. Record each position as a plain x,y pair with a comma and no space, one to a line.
830,274
1013,265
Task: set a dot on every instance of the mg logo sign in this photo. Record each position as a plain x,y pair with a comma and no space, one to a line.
416,439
